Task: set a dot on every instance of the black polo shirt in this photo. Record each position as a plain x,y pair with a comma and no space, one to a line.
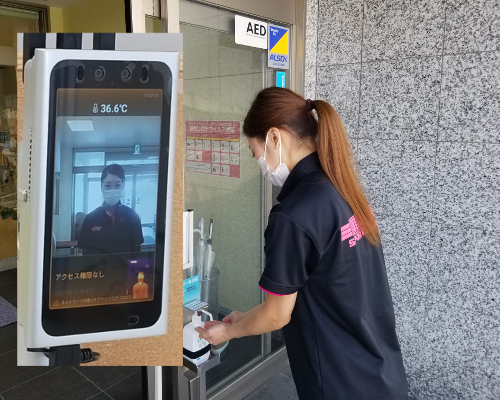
341,338
102,234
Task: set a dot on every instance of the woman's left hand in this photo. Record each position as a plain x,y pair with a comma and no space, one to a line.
215,333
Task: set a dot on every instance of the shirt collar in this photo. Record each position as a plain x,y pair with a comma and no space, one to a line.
301,168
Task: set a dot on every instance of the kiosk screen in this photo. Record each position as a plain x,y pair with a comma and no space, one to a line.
107,148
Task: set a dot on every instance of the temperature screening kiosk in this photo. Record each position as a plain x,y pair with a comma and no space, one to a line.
95,189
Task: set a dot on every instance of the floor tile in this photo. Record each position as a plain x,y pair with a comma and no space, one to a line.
129,389
9,290
62,383
8,276
11,375
8,359
101,396
278,387
287,372
105,377
8,338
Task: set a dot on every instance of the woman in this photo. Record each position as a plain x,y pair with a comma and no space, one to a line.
112,227
324,276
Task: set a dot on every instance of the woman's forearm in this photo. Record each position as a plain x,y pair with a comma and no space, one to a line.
255,309
273,314
256,322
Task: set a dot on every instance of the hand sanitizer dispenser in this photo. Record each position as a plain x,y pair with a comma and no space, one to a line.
195,349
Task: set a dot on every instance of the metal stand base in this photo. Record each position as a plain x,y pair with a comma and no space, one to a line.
196,376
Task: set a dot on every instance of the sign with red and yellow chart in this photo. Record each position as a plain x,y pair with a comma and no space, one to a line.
213,148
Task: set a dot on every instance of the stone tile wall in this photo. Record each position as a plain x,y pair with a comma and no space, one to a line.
417,83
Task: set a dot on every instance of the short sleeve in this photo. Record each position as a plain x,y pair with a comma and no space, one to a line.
291,255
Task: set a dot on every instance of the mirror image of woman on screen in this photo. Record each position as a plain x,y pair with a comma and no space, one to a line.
112,227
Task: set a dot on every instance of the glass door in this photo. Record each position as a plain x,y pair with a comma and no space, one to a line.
223,182
14,18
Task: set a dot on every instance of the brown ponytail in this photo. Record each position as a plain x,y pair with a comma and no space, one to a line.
284,109
338,161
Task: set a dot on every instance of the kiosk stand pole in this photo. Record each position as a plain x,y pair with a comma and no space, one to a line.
153,389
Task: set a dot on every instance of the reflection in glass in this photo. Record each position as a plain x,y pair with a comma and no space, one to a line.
105,205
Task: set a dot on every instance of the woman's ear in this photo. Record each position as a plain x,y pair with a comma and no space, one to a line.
274,136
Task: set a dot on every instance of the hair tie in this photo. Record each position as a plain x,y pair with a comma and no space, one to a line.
309,105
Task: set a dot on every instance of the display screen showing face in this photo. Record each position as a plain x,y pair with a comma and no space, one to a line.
107,147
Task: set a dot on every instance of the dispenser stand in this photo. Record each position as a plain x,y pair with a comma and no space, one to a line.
196,375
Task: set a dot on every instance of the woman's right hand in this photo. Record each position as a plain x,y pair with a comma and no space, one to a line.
234,317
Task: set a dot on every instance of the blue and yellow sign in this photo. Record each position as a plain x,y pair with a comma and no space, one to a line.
278,55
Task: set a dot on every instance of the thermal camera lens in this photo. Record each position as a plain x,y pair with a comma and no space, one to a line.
79,73
99,73
126,74
144,73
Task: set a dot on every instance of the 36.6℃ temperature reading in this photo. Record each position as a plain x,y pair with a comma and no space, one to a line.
109,108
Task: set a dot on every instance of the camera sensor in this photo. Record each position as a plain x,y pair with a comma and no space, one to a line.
144,73
99,74
126,74
80,72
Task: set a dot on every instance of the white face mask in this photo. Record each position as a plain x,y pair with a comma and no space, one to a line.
112,196
279,175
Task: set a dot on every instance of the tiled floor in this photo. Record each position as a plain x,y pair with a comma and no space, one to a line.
58,383
75,383
278,387
8,285
84,383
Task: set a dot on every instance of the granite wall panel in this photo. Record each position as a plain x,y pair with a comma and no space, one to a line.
417,84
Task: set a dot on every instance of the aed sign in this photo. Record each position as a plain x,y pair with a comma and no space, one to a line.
250,32
278,55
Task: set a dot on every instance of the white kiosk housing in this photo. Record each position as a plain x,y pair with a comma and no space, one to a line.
34,185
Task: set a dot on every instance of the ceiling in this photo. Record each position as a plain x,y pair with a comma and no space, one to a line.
111,132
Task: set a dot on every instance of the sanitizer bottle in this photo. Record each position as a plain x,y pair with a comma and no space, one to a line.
196,350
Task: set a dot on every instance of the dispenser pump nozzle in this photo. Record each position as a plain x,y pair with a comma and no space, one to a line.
196,319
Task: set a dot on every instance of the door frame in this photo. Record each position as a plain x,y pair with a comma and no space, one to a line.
43,13
8,55
295,16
